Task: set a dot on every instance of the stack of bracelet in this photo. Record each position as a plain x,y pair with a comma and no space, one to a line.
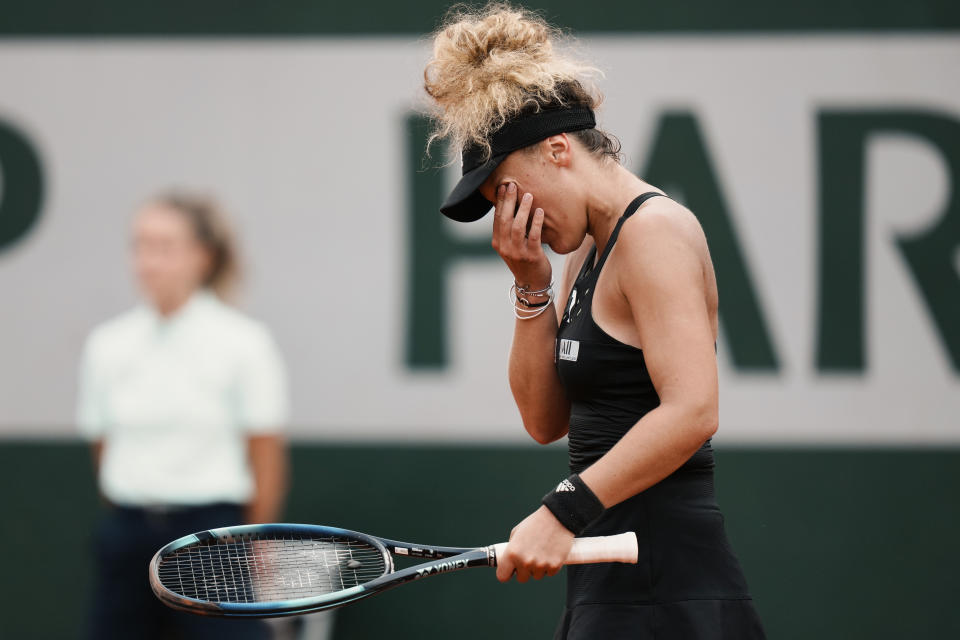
529,303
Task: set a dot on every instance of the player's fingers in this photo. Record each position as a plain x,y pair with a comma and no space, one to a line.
535,228
505,567
498,215
507,208
554,571
522,574
518,230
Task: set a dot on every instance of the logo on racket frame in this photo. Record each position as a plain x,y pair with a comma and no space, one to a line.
441,567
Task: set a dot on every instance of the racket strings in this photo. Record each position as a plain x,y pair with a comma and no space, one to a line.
269,569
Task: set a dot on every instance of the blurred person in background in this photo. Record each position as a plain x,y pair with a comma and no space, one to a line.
183,399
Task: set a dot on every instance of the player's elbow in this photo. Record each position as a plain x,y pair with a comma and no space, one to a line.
699,417
545,424
704,419
545,434
543,438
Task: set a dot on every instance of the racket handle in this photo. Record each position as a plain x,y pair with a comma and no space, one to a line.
619,548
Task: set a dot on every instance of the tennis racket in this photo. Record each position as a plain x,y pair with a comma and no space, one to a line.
267,570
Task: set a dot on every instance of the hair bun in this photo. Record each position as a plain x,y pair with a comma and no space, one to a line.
491,64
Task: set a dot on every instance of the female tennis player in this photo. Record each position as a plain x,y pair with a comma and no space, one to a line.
626,365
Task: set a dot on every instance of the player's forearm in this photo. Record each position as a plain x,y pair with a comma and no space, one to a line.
651,450
536,387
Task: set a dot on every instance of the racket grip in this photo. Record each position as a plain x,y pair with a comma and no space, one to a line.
619,548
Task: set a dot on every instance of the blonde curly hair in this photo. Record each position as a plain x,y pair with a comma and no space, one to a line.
492,64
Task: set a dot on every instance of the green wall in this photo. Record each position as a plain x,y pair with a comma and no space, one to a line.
315,17
836,543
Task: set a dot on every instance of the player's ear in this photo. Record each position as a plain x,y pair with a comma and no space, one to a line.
557,149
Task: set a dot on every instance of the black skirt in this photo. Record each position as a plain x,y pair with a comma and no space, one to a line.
687,584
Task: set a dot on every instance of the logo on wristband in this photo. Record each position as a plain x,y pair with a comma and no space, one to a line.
565,485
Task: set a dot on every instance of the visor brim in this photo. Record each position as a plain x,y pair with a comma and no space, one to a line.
465,203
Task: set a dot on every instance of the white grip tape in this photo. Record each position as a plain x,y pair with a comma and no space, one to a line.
619,548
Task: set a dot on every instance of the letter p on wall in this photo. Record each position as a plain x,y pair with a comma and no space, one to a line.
21,185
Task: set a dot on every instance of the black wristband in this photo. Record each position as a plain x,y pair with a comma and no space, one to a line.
573,504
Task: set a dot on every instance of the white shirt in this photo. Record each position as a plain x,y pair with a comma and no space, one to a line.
174,399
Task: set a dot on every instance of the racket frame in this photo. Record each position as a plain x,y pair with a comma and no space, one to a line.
440,560
463,557
262,609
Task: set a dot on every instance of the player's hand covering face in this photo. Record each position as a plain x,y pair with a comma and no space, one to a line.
517,237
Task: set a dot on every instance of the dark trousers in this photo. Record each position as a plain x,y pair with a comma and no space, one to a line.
124,607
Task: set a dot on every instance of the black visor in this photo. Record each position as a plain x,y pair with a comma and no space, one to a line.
465,203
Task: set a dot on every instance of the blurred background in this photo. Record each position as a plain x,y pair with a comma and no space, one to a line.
818,142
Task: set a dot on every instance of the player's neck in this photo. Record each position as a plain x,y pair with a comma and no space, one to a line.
612,189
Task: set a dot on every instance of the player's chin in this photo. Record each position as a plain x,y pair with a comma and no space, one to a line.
558,246
548,239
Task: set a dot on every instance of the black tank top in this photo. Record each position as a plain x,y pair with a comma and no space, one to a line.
606,380
687,583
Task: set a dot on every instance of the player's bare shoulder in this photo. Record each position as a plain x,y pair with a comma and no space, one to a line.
663,225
